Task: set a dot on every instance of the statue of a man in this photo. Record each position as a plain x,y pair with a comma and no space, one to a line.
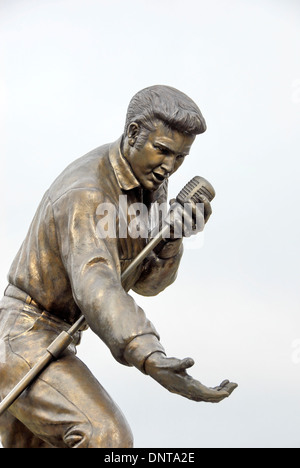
64,268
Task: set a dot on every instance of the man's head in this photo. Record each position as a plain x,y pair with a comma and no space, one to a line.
161,125
168,105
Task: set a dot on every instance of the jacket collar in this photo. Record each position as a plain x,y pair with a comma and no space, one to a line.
123,172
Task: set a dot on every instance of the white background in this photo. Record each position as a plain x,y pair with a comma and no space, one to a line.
68,71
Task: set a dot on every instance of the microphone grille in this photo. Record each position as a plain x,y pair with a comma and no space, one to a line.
194,189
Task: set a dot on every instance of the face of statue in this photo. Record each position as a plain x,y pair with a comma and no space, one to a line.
162,154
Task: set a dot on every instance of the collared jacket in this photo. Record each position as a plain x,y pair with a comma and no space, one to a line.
67,268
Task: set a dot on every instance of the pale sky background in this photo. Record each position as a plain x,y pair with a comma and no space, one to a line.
68,71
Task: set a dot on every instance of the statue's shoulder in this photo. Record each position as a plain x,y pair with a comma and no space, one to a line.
81,174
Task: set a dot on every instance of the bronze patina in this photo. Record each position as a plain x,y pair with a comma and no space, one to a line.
79,260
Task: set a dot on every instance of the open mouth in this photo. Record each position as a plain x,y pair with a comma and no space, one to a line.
160,178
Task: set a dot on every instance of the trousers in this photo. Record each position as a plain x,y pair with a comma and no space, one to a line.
65,407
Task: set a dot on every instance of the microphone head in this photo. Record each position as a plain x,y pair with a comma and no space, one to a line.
195,189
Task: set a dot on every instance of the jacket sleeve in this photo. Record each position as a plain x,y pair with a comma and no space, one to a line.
93,267
159,270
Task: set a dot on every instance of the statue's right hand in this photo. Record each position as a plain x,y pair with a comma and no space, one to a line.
171,374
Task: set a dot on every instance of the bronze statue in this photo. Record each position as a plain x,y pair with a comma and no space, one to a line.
72,264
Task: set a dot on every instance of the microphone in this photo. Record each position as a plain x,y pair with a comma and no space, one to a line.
194,190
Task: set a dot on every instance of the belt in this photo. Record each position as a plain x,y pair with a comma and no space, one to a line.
16,293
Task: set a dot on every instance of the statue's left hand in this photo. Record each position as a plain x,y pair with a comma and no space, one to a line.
171,374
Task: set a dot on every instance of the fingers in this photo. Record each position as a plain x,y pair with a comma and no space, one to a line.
185,221
212,395
183,364
189,219
177,365
194,390
174,365
222,391
225,382
228,386
207,209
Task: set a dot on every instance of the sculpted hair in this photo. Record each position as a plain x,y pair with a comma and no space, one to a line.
174,108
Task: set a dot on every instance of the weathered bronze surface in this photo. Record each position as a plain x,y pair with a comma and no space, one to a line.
66,267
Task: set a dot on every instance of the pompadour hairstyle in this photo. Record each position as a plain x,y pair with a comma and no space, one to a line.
174,108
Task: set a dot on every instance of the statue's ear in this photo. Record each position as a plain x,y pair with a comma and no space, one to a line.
132,133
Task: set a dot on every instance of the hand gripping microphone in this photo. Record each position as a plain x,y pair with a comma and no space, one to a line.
193,192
